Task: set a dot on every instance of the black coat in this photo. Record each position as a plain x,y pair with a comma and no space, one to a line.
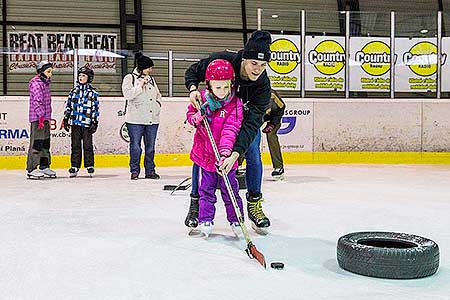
254,94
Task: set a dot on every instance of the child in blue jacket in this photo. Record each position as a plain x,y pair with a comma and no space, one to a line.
81,117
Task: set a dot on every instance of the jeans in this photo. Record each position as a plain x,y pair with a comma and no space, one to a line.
136,133
254,169
195,174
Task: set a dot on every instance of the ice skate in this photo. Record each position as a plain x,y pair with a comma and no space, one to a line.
236,228
260,223
278,174
35,174
192,216
47,172
206,228
73,172
90,171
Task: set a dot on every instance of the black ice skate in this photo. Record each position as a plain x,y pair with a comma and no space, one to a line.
260,223
90,171
73,172
278,174
192,216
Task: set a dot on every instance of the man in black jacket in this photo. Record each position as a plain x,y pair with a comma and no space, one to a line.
253,87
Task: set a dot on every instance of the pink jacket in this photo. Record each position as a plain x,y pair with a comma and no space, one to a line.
225,124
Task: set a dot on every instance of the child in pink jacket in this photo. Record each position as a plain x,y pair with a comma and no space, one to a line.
223,110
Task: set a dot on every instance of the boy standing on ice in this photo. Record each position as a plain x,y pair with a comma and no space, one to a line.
81,114
223,111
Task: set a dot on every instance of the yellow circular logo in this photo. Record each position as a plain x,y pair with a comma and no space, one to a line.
284,56
422,59
328,57
375,58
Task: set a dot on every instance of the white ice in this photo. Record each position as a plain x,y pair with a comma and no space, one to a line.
108,237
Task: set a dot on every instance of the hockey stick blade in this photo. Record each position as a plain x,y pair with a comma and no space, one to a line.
252,252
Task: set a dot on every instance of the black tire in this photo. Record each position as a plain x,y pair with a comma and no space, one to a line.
388,255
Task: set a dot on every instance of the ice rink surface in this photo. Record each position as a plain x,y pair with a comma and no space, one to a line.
108,237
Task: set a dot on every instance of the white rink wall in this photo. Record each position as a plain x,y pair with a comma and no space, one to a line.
319,125
401,125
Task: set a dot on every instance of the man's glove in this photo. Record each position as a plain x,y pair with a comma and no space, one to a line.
41,122
66,124
227,163
93,127
269,127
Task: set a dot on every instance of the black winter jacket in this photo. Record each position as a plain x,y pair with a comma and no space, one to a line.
255,95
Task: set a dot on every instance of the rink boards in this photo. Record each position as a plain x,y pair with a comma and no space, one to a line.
312,131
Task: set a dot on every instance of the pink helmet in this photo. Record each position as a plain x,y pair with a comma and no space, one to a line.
219,69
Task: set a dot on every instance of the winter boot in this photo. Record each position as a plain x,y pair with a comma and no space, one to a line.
255,213
278,173
90,171
206,228
73,172
152,175
192,216
35,174
48,173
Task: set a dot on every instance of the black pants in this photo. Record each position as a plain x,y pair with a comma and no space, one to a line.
81,134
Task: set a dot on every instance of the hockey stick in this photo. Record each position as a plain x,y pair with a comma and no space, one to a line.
251,250
184,185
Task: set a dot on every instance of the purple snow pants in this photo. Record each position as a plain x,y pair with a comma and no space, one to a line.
207,191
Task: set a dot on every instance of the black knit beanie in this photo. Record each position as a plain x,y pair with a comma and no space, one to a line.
258,46
143,62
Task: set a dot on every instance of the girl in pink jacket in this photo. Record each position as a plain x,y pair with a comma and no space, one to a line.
223,110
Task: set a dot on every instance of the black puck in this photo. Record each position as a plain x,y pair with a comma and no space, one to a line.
277,265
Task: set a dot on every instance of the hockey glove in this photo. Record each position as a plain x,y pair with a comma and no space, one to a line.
66,124
93,127
269,127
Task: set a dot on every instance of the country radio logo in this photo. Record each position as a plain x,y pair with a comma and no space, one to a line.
284,56
328,57
422,59
374,58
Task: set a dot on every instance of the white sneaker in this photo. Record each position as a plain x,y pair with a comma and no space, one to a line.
48,172
35,174
206,228
236,227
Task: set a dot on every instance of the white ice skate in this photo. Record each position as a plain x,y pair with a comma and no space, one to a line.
35,174
73,172
236,227
206,228
90,171
47,172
